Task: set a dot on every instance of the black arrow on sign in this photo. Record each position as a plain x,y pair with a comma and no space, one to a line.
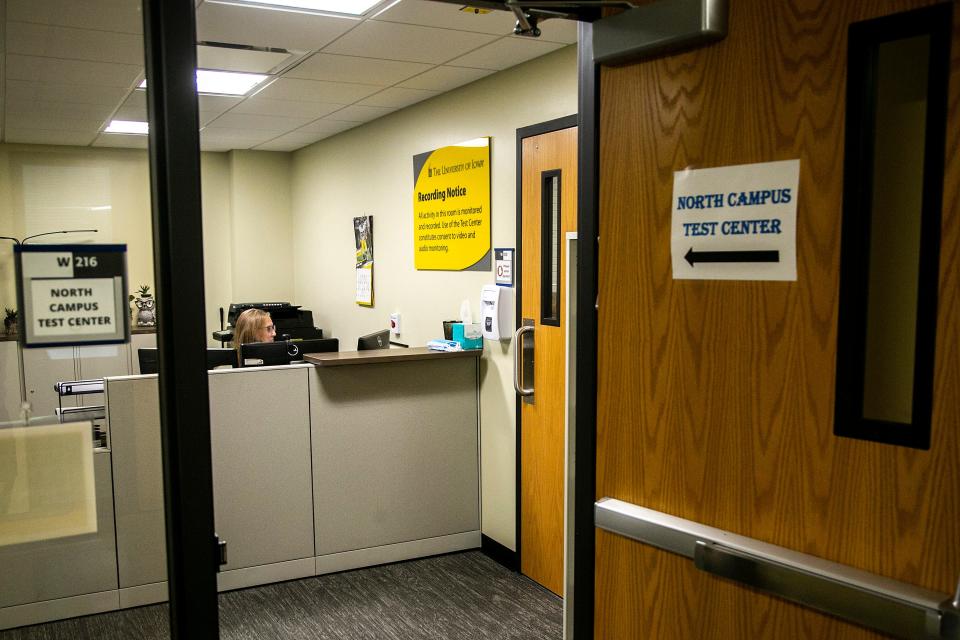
694,257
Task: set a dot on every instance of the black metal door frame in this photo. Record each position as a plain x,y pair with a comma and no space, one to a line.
192,556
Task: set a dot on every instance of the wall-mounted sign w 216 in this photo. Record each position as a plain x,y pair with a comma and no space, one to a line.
72,294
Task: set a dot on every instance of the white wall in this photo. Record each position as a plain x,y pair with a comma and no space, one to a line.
369,171
246,215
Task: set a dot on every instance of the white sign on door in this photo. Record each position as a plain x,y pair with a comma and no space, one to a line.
736,223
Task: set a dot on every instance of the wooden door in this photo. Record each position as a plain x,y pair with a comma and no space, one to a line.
716,398
549,211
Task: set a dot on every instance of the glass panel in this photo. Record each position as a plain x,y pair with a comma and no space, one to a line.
81,497
900,130
893,187
550,248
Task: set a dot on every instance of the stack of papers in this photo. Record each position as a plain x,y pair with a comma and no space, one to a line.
444,345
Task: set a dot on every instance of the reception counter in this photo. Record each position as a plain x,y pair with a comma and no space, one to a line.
317,467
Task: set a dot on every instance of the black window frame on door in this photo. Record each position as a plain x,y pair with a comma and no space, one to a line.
169,28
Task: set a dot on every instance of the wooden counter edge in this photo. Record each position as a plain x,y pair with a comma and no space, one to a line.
377,356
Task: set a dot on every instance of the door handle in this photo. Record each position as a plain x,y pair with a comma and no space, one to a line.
517,366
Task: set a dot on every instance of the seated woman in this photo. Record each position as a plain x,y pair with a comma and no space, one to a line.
253,325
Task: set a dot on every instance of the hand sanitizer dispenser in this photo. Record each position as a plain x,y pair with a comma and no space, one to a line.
495,307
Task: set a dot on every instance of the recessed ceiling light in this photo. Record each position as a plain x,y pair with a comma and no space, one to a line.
128,126
229,83
346,7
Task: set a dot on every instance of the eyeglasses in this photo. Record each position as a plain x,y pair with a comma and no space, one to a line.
270,327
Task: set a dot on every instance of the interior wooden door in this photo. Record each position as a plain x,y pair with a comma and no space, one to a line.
549,211
716,398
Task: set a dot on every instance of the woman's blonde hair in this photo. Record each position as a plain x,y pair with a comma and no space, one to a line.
248,326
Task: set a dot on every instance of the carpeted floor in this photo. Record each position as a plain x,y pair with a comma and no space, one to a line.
451,597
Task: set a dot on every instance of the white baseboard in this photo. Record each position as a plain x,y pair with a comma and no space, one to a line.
396,552
265,574
50,610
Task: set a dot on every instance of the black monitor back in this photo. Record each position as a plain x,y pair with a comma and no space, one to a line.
378,340
296,349
217,357
149,362
263,354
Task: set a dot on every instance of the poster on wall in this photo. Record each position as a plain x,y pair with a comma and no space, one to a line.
363,236
72,294
736,223
451,207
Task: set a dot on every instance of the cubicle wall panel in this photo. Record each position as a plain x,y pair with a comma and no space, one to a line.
260,432
133,417
9,382
65,567
395,452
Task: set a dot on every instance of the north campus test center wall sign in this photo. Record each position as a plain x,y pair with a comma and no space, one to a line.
736,223
72,294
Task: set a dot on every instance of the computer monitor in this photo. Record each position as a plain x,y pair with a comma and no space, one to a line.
263,354
148,360
296,349
378,340
216,357
220,357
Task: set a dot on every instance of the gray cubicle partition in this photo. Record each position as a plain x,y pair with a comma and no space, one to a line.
395,461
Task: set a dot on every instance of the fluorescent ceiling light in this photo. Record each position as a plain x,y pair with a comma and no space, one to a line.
348,7
225,83
128,127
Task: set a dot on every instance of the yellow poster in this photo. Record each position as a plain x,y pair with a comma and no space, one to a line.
451,207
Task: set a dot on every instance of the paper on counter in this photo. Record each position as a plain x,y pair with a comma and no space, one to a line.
47,486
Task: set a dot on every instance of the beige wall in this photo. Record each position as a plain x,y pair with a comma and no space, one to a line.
246,215
369,171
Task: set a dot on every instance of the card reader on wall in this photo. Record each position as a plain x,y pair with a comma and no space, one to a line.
495,306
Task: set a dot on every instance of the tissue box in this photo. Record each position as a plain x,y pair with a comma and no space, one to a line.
468,335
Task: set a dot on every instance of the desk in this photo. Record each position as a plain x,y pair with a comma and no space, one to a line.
377,356
316,468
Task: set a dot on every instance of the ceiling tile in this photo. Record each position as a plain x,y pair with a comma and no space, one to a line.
121,141
50,70
290,141
356,113
217,103
42,136
448,16
445,78
137,114
408,42
558,30
52,123
239,138
74,44
327,127
268,28
286,108
107,15
251,122
505,53
136,100
25,90
397,97
324,66
232,59
56,110
316,91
